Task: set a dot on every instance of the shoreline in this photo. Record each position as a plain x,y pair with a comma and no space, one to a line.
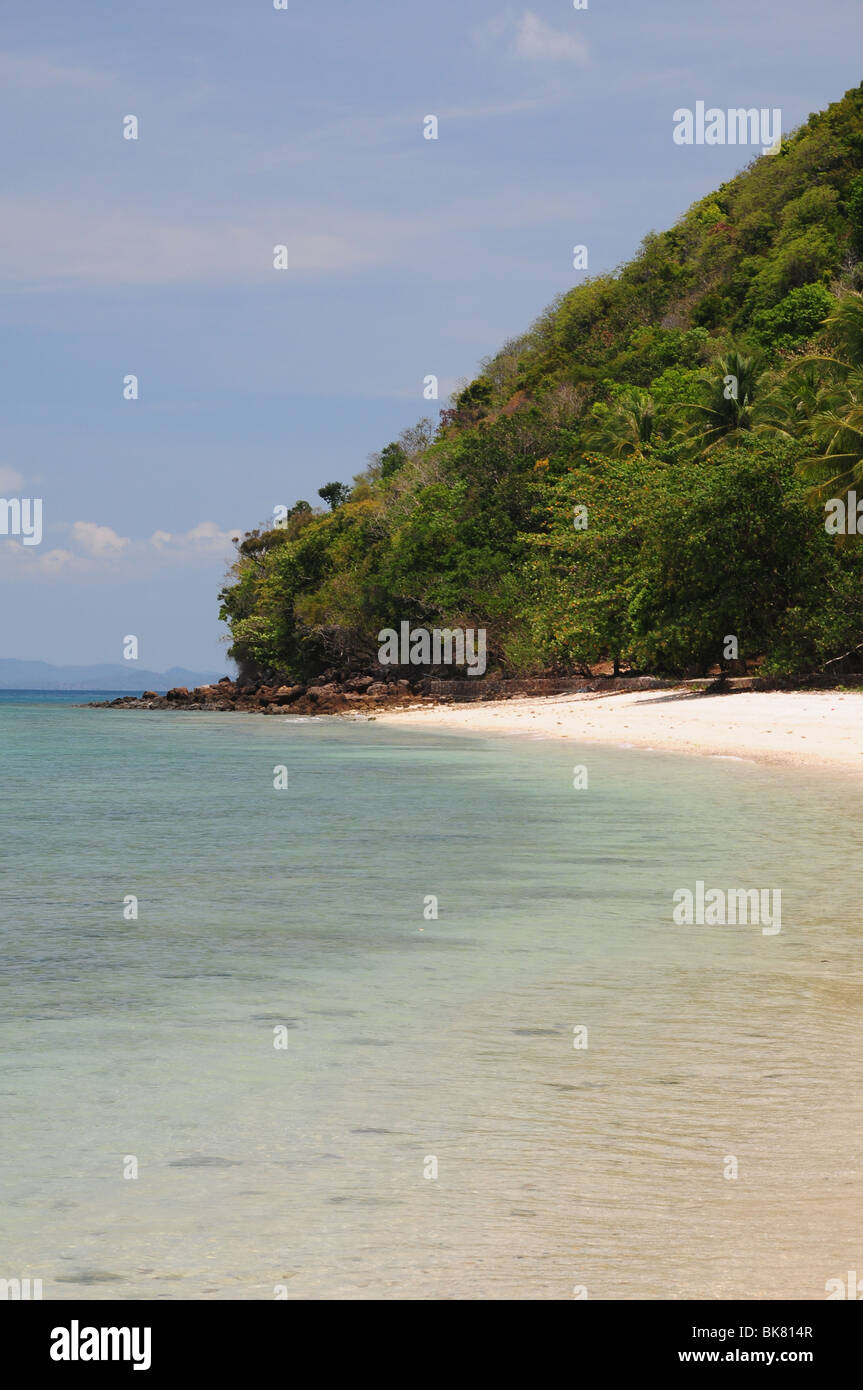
812,729
816,728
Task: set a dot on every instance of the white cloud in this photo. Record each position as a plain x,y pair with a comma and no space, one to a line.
66,242
10,481
99,541
98,546
539,43
30,561
206,538
69,241
56,561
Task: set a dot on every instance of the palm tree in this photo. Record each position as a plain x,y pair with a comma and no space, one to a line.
846,325
727,409
837,424
838,430
625,427
789,401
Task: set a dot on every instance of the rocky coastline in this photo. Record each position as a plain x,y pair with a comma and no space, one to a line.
363,694
324,695
330,693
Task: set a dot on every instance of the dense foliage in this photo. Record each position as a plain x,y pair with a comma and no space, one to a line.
638,477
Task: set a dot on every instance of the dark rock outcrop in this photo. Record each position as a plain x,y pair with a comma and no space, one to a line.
365,693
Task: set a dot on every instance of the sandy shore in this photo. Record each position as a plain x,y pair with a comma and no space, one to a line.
815,728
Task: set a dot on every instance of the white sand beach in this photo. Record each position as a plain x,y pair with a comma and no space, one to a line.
816,728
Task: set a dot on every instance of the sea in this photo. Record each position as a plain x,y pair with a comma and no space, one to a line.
333,1009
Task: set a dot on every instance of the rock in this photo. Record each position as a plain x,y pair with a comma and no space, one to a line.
359,683
378,688
149,695
179,692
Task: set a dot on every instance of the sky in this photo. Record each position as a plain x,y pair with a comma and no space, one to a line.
407,257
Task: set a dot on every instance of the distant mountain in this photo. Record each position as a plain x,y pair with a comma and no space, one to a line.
40,675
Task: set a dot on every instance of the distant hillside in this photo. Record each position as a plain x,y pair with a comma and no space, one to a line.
40,675
640,478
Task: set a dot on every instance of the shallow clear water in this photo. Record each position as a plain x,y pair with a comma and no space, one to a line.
410,1038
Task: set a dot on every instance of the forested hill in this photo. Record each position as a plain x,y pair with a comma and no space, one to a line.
654,467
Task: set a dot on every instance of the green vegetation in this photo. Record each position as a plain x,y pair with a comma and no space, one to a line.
701,404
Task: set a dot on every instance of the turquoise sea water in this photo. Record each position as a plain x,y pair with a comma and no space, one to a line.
412,1039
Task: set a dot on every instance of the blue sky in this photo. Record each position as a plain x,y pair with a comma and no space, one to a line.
407,256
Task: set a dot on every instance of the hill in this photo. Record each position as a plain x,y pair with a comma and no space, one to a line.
641,478
41,675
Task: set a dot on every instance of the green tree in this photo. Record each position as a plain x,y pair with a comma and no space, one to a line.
334,494
855,211
625,426
729,391
745,556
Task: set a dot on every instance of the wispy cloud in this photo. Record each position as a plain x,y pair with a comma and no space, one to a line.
100,552
47,241
31,70
539,43
528,37
10,481
207,538
382,132
62,242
